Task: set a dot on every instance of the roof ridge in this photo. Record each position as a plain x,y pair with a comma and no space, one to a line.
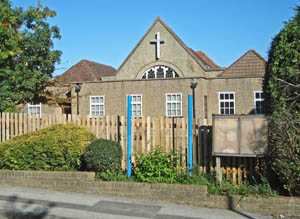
158,19
246,53
90,70
98,63
187,49
68,72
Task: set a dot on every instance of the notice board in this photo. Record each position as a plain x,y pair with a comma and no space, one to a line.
239,135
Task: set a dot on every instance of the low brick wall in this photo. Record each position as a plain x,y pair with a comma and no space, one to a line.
181,194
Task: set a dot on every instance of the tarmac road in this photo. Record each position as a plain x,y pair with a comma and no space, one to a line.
20,202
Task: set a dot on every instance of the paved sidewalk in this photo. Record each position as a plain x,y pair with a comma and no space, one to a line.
20,202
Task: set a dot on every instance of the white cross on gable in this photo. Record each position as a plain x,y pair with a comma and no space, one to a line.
157,42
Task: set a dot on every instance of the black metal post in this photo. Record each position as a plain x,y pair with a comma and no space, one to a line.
77,90
193,86
77,103
194,116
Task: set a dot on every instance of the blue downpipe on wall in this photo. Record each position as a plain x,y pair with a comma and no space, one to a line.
190,128
128,136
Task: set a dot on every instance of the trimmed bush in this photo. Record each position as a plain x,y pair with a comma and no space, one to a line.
59,147
156,166
282,104
103,155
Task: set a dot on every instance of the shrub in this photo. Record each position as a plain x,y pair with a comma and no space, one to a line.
103,155
156,166
59,147
282,103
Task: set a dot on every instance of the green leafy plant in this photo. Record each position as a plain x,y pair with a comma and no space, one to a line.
156,166
59,147
103,155
113,175
247,188
282,104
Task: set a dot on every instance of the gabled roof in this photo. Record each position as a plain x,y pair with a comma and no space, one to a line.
188,50
86,70
204,58
249,64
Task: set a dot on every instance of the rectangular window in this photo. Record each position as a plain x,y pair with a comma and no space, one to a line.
258,102
35,109
136,105
174,105
96,105
226,103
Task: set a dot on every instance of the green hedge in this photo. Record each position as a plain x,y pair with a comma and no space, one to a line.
103,155
59,147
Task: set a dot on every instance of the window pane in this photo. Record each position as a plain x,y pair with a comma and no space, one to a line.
226,104
226,96
222,111
231,96
257,95
231,104
173,97
92,99
179,97
222,96
173,107
168,97
173,112
93,107
134,99
178,112
139,98
169,106
222,104
231,111
178,105
101,100
138,106
169,112
226,111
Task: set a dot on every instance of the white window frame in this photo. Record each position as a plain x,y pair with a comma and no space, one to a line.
97,104
226,101
136,103
258,99
31,105
176,101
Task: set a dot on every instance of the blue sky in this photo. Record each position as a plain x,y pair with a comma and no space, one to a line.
106,31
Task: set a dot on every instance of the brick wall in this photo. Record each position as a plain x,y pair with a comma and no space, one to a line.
181,194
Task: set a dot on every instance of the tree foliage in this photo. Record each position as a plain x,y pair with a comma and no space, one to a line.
282,103
27,57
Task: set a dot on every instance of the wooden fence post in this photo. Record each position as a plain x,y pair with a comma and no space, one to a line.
218,169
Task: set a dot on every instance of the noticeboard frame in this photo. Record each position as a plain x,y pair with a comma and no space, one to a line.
238,154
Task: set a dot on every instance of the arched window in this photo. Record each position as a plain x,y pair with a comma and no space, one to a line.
160,71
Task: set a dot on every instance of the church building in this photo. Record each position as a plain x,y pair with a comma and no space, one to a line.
159,74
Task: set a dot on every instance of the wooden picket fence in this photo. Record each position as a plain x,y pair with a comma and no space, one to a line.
238,169
147,133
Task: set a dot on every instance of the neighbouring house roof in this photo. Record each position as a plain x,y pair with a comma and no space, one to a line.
204,58
86,70
249,64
